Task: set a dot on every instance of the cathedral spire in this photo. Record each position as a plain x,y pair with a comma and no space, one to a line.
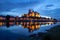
30,10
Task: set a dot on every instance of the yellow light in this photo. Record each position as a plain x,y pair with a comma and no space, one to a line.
32,27
1,23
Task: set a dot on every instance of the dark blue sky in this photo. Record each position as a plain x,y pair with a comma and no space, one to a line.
18,7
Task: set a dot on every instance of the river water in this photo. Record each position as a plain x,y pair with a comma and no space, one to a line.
15,30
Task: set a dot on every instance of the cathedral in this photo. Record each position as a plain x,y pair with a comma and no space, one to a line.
31,13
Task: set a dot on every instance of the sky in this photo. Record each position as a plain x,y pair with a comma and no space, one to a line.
49,8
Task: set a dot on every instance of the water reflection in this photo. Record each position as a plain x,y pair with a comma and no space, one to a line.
31,26
34,25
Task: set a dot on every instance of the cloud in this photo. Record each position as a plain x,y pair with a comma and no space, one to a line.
7,5
55,13
49,5
20,1
45,16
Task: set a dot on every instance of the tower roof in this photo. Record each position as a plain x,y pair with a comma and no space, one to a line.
30,10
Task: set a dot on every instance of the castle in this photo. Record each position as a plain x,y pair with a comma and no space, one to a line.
31,16
31,13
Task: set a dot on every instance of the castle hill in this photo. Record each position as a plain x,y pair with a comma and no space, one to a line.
31,16
32,20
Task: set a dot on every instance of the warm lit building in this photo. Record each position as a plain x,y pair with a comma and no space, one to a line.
1,23
31,13
31,16
17,18
2,18
12,19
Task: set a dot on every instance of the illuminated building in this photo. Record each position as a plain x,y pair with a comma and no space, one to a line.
31,13
31,16
11,18
2,17
17,18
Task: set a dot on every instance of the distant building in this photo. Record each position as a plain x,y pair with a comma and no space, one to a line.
17,18
2,17
12,18
31,13
31,16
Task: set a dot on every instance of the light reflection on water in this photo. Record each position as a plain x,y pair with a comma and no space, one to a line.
19,29
29,26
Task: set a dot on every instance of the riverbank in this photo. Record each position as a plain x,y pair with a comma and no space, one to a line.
51,34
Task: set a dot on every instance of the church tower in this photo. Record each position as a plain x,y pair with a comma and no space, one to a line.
30,10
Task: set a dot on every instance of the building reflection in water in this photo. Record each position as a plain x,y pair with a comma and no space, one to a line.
31,26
